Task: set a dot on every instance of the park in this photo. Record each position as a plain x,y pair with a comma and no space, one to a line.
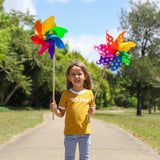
126,122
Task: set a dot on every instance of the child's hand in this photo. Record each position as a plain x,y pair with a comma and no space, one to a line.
91,110
53,106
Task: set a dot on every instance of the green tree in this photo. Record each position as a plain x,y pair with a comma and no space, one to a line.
15,47
1,6
141,21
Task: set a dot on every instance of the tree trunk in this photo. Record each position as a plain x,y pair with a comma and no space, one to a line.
139,105
154,108
10,95
1,98
150,108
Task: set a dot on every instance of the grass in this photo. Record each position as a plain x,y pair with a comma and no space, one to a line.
145,127
13,122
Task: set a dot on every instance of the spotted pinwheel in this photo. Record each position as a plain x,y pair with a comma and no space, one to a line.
114,52
48,35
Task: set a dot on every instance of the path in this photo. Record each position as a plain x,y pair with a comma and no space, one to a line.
46,143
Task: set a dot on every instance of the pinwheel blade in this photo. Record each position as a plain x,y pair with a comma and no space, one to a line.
36,40
38,29
103,50
119,40
48,24
58,42
44,47
51,48
58,31
106,60
116,64
126,46
109,41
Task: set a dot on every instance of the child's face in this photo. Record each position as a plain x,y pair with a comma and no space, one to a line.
76,76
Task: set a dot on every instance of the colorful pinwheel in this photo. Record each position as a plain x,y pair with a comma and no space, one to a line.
114,52
48,35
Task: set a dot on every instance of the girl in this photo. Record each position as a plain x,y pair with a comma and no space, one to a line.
76,102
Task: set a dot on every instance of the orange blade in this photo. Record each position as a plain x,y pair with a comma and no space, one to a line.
119,40
38,29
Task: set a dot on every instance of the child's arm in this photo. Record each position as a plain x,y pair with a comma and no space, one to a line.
58,112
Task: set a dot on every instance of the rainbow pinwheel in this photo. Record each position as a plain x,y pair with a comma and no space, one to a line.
114,52
48,35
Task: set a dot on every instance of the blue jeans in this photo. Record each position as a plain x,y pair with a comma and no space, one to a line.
70,143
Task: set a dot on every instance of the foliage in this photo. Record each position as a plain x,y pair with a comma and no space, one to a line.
26,77
142,22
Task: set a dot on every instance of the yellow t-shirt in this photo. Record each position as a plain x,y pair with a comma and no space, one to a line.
76,105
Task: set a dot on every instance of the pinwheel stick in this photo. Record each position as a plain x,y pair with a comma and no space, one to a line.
99,85
97,89
53,84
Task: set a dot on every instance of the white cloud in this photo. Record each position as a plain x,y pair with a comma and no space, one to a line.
60,1
21,5
85,44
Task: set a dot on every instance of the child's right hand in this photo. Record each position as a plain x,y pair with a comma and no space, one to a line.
53,106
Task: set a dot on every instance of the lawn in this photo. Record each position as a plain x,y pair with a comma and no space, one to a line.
13,122
145,127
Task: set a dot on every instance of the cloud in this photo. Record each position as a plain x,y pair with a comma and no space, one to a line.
85,43
60,1
21,5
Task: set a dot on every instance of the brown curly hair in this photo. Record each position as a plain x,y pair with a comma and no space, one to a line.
88,84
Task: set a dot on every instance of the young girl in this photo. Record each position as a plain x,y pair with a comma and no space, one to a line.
76,102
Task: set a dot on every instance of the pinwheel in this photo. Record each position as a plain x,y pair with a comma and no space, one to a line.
114,52
48,35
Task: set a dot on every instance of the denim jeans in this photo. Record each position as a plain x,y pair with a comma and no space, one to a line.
70,143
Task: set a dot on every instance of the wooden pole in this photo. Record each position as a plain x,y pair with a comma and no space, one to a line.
97,89
53,84
99,85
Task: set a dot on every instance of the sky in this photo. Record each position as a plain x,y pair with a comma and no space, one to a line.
85,20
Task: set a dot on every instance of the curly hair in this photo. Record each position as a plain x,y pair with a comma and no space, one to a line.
88,84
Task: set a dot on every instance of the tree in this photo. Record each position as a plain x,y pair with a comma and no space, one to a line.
15,50
1,6
142,22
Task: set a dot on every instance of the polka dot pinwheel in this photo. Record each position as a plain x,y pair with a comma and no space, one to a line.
48,35
114,52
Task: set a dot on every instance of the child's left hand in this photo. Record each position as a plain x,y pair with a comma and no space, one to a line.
91,110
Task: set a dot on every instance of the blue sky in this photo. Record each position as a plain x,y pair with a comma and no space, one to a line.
82,17
86,20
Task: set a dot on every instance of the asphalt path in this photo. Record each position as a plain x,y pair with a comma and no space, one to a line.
46,142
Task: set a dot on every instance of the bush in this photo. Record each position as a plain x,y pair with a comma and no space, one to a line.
28,108
133,102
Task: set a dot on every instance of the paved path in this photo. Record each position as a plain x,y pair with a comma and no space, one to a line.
46,143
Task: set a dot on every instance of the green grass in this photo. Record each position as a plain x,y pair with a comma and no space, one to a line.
13,122
146,127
